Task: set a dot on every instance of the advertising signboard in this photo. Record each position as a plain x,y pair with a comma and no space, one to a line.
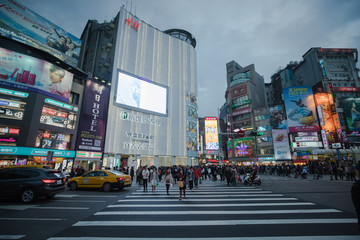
277,117
141,94
22,24
211,133
352,113
281,144
322,101
32,74
93,117
300,109
244,147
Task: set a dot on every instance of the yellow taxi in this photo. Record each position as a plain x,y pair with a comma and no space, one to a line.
102,179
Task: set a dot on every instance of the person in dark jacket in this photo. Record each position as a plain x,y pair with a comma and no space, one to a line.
355,193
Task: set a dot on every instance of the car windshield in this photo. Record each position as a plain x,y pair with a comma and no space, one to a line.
117,173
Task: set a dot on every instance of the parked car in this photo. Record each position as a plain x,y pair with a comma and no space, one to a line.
30,183
102,179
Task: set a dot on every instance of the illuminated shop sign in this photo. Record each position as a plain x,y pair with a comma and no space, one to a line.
81,154
58,118
5,150
60,104
13,93
12,109
345,89
248,101
306,139
307,144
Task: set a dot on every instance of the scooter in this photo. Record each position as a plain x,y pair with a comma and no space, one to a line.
248,181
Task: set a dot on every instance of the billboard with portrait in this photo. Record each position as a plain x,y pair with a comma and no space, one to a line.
140,94
277,117
211,133
352,113
32,74
300,109
19,23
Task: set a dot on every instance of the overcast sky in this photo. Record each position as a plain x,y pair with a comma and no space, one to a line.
267,33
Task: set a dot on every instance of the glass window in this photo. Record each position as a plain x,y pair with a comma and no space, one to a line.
58,118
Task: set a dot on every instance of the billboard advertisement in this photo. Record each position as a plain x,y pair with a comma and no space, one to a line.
277,117
22,24
300,109
140,94
211,133
32,74
281,144
93,117
322,99
244,147
352,113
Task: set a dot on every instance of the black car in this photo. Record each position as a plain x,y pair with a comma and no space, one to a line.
30,183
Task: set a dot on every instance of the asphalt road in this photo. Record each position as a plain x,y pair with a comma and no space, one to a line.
281,208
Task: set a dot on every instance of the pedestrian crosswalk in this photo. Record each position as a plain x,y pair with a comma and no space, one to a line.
214,212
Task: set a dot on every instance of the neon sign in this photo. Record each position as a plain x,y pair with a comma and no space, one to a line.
135,25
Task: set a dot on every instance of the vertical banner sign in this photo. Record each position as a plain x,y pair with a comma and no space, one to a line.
300,109
93,117
281,144
325,139
211,133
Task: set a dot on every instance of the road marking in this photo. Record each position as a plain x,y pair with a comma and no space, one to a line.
11,236
88,201
71,196
206,196
212,205
210,200
17,207
61,208
199,193
34,219
204,190
213,222
252,212
342,237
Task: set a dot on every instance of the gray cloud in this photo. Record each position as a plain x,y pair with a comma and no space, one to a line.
266,33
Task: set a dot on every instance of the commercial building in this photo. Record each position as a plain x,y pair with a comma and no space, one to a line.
40,89
150,117
245,93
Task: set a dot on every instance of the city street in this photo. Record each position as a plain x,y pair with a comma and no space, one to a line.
281,208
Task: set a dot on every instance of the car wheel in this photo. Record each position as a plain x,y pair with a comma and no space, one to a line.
73,186
28,195
107,187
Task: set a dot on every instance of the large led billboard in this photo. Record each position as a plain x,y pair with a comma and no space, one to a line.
22,24
300,109
352,113
211,133
32,74
140,94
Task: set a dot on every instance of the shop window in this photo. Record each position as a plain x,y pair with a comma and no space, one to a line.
9,135
53,140
58,118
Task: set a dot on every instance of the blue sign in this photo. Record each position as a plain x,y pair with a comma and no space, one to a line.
5,150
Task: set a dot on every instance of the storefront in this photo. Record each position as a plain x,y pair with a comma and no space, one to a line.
88,160
57,159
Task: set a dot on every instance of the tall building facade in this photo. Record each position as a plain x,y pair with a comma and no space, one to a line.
152,108
245,92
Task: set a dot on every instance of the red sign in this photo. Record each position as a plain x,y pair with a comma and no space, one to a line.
135,25
346,89
241,133
14,131
46,135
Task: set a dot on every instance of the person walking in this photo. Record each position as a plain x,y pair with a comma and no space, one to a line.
197,174
168,180
191,177
145,176
182,183
228,175
153,178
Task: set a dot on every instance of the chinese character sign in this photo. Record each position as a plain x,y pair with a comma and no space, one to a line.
211,133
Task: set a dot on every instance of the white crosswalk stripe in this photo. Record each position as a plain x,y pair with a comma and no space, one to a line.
211,208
